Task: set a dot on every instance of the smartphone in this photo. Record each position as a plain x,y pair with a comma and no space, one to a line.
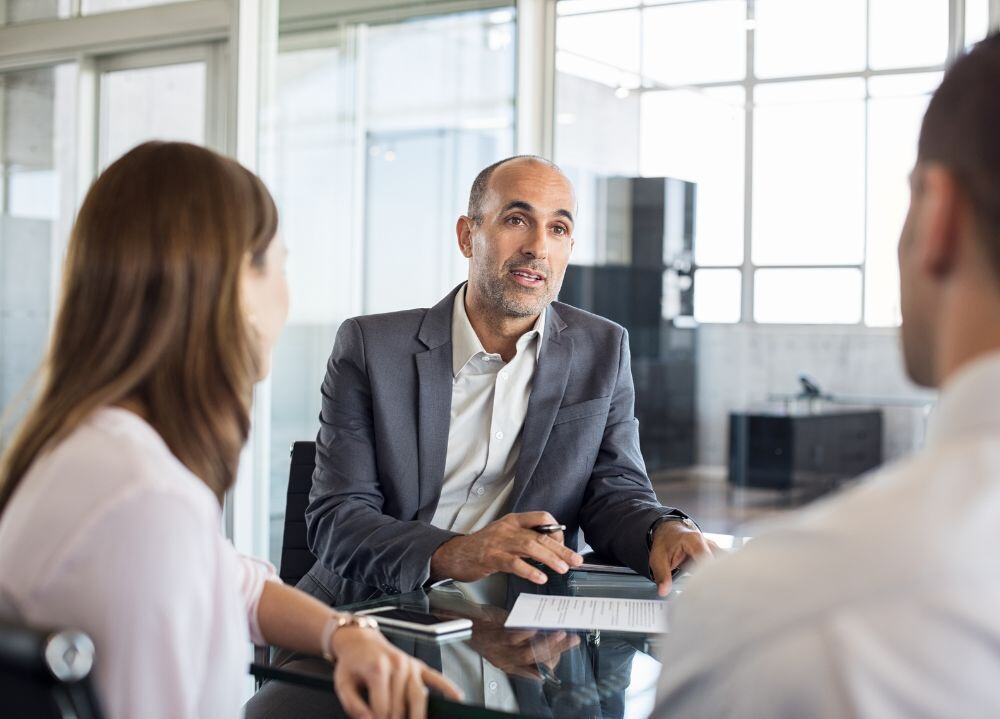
417,621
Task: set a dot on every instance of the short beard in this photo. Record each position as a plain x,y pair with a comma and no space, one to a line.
498,301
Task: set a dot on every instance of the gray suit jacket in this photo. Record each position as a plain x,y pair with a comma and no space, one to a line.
383,439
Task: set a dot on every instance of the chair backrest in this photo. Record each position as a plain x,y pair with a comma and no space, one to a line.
296,559
46,674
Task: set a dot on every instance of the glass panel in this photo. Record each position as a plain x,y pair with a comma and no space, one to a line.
611,39
695,42
977,21
895,113
808,37
369,182
92,7
162,103
717,295
15,11
809,173
699,136
908,34
807,296
37,160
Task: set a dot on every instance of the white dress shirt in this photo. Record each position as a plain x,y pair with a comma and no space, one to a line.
883,601
489,401
110,534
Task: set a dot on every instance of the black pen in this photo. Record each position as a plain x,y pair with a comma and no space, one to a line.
549,528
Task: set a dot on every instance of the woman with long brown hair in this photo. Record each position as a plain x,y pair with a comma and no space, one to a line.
110,495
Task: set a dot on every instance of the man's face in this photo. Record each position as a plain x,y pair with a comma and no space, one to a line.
916,289
519,249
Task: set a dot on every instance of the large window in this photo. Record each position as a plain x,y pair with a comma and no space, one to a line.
37,164
797,119
379,130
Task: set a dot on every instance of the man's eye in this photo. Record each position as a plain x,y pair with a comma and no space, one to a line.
559,230
516,221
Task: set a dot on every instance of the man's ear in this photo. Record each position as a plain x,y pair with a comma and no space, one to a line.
940,220
463,229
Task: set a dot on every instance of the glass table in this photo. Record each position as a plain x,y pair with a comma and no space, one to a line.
503,672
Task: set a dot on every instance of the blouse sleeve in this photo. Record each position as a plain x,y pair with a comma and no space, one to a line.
252,574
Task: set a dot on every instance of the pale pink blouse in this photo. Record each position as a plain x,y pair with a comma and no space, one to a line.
110,534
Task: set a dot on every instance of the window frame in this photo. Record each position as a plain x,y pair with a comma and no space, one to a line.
749,84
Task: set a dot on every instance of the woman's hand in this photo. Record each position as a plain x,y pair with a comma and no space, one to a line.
395,682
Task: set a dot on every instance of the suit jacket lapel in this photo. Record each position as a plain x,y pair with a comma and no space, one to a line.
434,379
547,390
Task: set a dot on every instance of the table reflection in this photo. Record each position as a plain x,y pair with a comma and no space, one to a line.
558,674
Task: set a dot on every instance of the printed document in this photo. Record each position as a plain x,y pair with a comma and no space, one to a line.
536,611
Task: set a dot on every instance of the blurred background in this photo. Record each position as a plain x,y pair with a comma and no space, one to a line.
741,169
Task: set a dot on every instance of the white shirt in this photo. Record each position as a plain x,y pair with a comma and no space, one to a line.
110,534
489,400
883,601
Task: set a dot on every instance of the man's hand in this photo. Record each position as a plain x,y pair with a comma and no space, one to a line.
502,546
522,653
675,542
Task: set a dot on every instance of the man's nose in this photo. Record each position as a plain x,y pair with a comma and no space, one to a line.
537,244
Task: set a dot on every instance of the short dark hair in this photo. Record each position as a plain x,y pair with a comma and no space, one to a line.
482,182
961,130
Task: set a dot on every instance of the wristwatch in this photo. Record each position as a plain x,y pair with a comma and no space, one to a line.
675,515
337,622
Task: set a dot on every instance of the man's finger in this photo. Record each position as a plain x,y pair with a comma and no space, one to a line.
516,565
696,547
661,567
532,547
528,520
717,551
555,646
568,555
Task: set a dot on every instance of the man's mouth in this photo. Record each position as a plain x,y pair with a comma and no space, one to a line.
528,278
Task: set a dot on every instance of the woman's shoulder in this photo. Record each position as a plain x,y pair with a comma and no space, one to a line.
115,452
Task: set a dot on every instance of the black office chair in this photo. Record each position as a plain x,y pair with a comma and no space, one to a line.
296,559
46,674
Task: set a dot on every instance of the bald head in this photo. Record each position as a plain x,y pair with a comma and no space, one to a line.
481,184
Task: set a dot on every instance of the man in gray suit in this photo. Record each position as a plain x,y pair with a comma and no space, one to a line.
448,434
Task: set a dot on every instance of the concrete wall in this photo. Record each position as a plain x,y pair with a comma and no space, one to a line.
739,366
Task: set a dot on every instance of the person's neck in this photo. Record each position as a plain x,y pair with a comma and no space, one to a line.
498,333
970,327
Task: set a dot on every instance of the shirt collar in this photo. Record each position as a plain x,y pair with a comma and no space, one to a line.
968,403
465,342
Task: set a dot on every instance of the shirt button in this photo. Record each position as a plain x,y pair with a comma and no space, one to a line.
480,491
499,435
494,686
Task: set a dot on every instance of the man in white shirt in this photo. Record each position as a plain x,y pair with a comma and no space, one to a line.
885,601
448,434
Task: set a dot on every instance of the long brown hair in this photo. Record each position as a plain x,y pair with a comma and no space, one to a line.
150,310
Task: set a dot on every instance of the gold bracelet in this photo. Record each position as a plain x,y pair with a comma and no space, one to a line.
339,621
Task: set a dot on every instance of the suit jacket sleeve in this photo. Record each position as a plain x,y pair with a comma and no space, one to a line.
619,504
346,527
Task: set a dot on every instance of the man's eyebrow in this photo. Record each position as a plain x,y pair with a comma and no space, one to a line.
528,207
518,205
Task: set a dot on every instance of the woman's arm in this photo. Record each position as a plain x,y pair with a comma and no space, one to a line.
396,684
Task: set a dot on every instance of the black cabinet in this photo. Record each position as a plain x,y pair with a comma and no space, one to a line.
780,451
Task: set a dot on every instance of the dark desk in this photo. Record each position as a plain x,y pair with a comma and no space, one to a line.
576,675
